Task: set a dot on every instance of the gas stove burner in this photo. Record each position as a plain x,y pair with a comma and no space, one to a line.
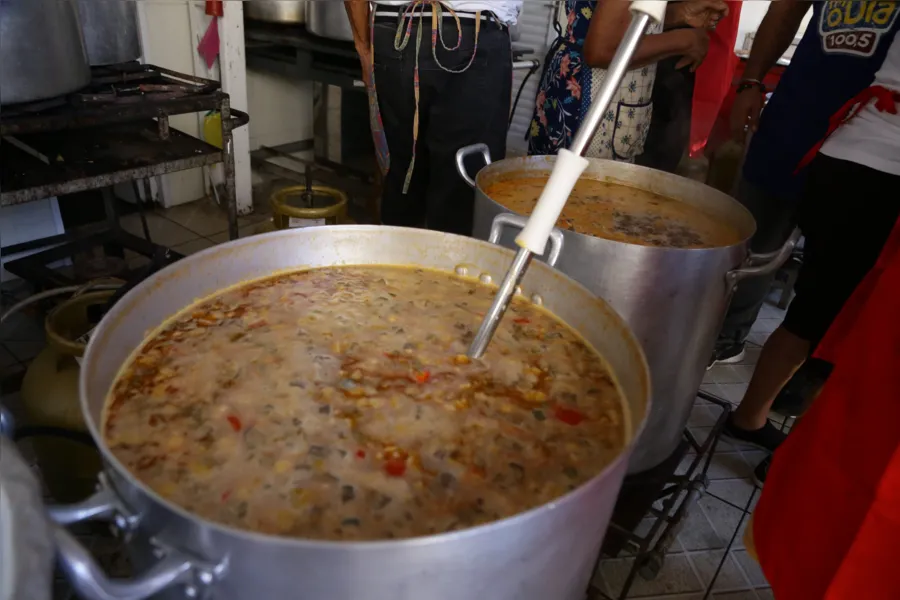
37,106
130,83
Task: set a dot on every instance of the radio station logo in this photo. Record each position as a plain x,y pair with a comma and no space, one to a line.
854,27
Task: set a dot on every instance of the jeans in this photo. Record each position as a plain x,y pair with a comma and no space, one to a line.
775,220
455,110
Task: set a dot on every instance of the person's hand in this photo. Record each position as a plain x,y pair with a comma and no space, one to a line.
697,46
745,112
702,14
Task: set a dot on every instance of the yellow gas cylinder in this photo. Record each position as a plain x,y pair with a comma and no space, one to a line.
308,206
50,399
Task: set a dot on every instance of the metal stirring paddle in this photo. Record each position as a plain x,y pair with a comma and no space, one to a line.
567,169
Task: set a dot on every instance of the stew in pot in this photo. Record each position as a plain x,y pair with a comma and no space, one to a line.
621,213
338,403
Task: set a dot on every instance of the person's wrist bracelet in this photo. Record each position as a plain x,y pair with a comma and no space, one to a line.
746,84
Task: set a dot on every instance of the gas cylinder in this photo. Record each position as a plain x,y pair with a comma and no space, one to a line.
51,408
308,205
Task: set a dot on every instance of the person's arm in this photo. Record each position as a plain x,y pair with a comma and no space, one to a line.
774,36
704,14
358,12
608,25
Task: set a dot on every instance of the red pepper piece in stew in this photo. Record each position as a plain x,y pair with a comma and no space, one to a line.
568,416
522,320
234,422
422,376
395,467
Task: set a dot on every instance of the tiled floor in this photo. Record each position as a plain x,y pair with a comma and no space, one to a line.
706,561
190,228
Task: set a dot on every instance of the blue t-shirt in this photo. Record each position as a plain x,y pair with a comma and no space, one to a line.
843,47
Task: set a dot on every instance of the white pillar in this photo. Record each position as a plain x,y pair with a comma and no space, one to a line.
232,61
170,31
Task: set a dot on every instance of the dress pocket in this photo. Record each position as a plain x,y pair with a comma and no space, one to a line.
630,130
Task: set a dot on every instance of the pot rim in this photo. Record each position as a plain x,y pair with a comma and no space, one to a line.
370,545
485,172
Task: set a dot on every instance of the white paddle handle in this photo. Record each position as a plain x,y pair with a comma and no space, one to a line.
655,9
566,171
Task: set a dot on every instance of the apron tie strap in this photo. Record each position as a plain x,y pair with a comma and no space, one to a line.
885,101
382,152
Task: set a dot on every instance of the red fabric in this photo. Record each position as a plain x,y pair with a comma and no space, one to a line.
828,523
714,78
885,101
209,44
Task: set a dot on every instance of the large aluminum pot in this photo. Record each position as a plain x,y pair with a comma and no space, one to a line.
546,553
42,53
110,29
673,299
328,19
276,11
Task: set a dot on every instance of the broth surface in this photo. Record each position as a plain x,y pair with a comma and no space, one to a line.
338,403
621,213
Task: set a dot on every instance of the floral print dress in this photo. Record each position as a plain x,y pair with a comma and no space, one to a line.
567,86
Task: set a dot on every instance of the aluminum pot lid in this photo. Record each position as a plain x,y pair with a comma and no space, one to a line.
26,543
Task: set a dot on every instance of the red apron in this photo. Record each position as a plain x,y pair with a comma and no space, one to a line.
713,80
828,523
885,101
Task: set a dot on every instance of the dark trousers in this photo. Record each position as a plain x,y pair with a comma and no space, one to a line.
670,126
455,110
846,213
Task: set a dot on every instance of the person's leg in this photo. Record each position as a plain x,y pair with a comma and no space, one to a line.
466,108
843,241
670,128
781,356
775,219
394,82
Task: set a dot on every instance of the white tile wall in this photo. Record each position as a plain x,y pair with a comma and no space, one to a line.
280,109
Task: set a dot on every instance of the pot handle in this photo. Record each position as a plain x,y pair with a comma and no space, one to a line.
91,583
102,505
465,151
763,264
175,567
504,219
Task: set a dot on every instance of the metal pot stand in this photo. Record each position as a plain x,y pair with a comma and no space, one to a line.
666,496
